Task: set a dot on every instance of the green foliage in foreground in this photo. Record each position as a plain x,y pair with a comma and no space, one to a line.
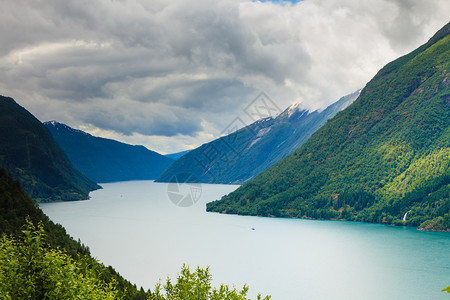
16,206
196,285
447,289
46,263
29,270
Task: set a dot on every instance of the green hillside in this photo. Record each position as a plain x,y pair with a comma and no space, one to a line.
28,151
385,155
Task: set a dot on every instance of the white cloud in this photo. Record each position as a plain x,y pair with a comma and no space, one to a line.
173,74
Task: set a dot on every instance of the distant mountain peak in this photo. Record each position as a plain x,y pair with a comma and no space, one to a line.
293,111
242,154
61,126
54,123
293,108
107,160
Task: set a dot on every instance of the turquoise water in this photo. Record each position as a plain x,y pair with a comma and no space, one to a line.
136,228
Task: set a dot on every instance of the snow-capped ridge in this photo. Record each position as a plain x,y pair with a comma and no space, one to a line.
57,125
293,110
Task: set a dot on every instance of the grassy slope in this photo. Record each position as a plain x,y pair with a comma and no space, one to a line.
372,159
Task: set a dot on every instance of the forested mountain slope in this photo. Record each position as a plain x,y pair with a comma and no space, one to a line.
241,155
15,208
28,151
106,160
386,155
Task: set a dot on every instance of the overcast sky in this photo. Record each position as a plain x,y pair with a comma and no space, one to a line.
172,75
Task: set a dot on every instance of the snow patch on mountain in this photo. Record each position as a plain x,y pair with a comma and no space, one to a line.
292,109
63,127
262,132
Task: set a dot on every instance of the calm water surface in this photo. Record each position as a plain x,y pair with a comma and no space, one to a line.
134,227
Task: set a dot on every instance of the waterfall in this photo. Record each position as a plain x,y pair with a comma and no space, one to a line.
404,216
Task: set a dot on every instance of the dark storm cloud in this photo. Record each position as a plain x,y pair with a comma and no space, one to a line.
410,21
153,120
187,68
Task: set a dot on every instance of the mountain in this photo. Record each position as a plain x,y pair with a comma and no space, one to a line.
28,151
177,155
106,160
241,155
384,159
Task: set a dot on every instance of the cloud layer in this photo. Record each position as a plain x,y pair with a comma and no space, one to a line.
173,74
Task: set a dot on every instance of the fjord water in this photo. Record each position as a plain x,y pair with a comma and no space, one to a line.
137,229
